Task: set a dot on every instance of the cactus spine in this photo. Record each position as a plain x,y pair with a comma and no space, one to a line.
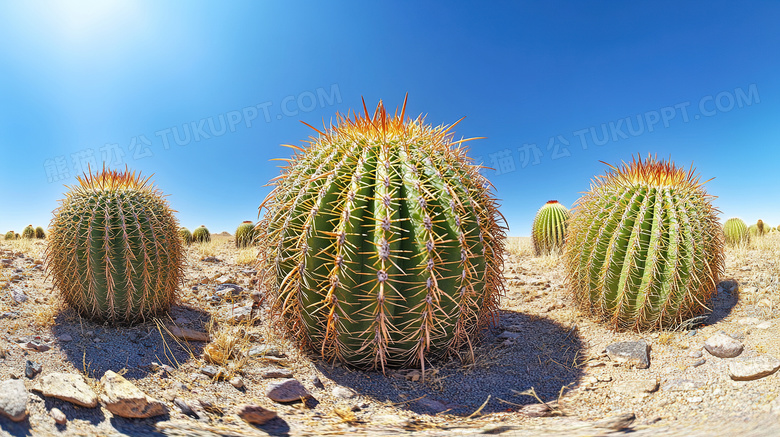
644,248
384,243
28,232
549,228
245,234
186,236
114,251
201,235
736,231
40,233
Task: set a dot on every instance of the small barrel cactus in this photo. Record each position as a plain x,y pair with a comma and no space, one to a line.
644,248
186,236
28,232
114,250
245,234
201,234
384,243
736,231
549,228
760,228
40,233
753,230
10,235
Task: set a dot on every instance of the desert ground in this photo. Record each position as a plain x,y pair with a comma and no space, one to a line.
543,369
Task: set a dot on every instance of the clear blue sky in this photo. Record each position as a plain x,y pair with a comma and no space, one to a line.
84,82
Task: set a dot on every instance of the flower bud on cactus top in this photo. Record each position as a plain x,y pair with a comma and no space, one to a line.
245,234
644,248
201,235
114,249
383,243
28,232
549,228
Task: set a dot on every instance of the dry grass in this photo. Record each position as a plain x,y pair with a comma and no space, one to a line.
519,246
246,256
229,346
213,247
32,247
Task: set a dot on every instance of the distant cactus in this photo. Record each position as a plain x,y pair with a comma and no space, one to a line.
40,233
28,232
549,228
201,235
186,236
18,236
10,235
735,231
245,234
644,248
753,230
113,251
760,227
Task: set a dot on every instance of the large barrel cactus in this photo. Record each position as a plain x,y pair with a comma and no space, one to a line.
201,234
736,231
245,234
114,251
549,228
28,232
644,248
382,243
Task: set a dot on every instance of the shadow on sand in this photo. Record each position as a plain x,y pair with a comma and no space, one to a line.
543,354
723,302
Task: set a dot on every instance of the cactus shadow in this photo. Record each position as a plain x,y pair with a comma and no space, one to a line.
15,429
540,354
722,303
96,348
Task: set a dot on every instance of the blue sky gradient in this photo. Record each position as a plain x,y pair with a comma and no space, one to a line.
84,82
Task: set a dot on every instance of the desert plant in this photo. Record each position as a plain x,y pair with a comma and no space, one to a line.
40,233
382,243
186,236
760,228
735,231
549,228
10,235
28,232
114,251
753,230
245,234
18,236
644,248
201,234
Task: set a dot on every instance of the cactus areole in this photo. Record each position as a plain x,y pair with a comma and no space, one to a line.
644,248
383,243
114,250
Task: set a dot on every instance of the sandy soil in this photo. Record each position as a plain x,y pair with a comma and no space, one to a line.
541,342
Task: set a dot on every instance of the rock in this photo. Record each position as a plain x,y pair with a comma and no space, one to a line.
65,338
256,414
317,382
229,289
621,421
237,382
67,387
266,350
212,372
699,362
696,353
723,346
6,262
184,407
344,393
276,373
764,325
188,334
58,416
241,314
694,399
36,346
31,369
681,385
633,353
289,390
637,387
18,295
9,315
211,259
124,399
225,279
748,369
13,399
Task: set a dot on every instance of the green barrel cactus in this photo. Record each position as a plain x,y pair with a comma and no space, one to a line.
245,234
644,248
40,233
10,235
114,251
736,231
549,228
28,232
186,236
753,230
201,234
382,243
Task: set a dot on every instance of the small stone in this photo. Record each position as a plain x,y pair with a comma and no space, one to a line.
6,262
748,369
67,387
266,350
764,325
211,259
692,332
636,387
241,314
289,390
9,315
317,382
18,295
698,362
64,338
723,346
229,289
696,353
621,421
58,416
343,392
124,399
188,334
633,353
681,385
36,346
13,400
184,407
237,382
276,373
212,372
694,399
31,369
256,414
